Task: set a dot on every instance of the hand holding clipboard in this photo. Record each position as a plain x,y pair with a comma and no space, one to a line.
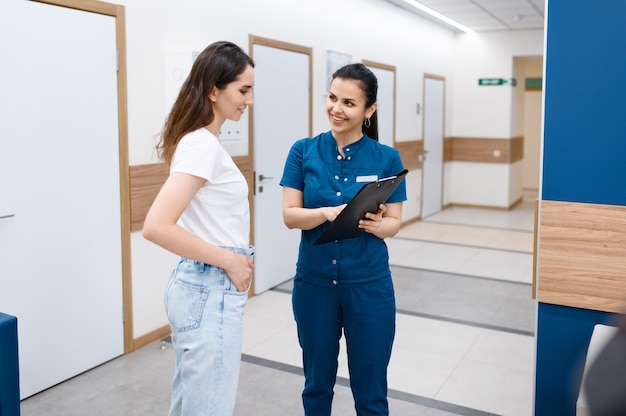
346,225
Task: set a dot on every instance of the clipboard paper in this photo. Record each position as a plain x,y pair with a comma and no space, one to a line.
371,195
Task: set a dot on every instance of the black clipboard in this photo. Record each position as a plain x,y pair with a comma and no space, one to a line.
371,195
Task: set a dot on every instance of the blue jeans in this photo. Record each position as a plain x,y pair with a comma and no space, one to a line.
205,312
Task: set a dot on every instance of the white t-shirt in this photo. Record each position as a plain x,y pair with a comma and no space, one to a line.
219,212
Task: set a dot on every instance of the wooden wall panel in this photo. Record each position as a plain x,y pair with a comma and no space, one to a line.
582,255
463,149
480,150
517,149
448,151
146,181
410,153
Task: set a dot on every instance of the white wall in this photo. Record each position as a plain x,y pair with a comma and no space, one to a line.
488,180
488,112
411,208
485,111
367,29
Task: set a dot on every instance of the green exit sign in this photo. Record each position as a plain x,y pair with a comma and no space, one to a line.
497,81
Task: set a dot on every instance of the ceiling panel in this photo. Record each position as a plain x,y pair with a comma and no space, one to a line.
487,15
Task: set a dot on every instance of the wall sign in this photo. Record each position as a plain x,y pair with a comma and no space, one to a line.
497,81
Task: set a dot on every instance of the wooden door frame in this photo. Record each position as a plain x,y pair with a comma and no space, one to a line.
119,13
443,120
254,40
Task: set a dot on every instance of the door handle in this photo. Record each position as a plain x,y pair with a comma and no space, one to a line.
263,177
6,216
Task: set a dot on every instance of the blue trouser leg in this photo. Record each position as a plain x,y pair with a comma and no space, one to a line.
318,316
369,326
367,315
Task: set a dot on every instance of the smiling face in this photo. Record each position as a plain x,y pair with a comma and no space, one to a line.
345,106
231,102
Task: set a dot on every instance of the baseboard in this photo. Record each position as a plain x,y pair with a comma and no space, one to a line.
411,220
530,194
510,207
151,337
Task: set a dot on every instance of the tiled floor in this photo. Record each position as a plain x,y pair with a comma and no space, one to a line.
464,343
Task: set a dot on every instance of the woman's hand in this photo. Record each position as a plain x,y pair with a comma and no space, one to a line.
296,216
373,221
331,213
386,222
239,270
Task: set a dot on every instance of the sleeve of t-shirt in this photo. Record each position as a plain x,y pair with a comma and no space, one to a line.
196,156
292,172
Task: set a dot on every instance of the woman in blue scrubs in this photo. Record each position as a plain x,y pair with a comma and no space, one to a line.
344,286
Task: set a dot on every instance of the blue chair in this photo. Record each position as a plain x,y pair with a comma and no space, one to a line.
9,367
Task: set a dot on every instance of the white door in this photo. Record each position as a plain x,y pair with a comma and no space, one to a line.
386,104
433,146
60,251
281,116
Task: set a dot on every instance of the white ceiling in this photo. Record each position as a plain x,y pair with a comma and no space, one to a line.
487,15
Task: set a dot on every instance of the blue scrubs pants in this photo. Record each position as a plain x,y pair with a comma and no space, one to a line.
367,315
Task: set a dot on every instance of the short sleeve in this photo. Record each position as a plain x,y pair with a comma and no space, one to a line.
197,154
293,176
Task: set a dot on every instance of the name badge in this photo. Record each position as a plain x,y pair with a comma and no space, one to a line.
368,178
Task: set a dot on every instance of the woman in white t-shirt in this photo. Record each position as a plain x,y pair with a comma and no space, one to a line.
202,214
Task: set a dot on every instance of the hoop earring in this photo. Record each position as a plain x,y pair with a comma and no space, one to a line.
367,123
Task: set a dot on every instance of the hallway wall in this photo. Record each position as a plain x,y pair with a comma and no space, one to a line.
488,112
383,33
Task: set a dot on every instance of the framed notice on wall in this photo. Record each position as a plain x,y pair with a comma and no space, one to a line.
334,61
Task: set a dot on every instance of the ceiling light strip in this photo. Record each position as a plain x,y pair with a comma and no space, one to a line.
438,15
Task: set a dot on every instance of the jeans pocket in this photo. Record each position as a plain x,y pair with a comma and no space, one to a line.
184,305
234,304
235,301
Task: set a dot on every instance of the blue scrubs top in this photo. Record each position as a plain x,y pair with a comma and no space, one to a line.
315,167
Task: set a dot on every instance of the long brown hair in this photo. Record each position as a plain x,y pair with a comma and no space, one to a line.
217,65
